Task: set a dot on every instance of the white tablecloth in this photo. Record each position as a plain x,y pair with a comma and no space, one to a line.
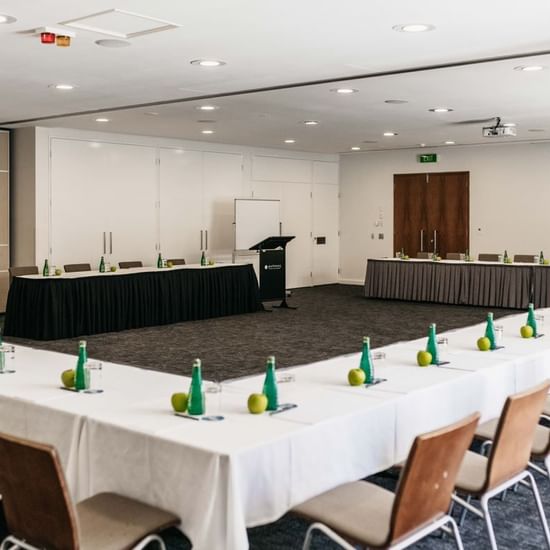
249,470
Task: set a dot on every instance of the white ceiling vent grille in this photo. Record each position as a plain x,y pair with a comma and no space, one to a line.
119,24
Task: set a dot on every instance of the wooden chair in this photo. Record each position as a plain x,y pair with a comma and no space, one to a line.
40,514
457,256
177,261
485,477
23,270
74,268
488,257
129,265
366,514
525,258
423,255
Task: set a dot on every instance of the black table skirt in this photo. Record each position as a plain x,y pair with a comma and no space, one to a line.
49,309
498,285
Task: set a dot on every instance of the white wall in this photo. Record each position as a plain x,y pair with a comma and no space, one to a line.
280,167
509,199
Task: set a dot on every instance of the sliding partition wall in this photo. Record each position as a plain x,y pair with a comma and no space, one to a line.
4,218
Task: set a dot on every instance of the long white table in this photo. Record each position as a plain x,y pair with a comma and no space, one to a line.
249,470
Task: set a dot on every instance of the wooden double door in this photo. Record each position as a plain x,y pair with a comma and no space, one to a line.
431,212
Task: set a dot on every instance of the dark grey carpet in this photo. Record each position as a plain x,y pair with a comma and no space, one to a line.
330,321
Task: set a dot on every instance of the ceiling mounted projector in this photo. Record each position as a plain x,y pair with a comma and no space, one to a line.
498,130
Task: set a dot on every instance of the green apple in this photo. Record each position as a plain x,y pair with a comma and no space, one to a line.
113,268
405,257
169,264
526,331
546,261
356,377
257,403
58,272
424,358
67,377
483,343
179,402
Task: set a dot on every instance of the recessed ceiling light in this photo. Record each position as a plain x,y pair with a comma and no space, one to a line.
311,122
536,130
356,148
207,131
7,19
390,134
440,110
290,141
370,141
422,144
344,91
112,43
64,87
208,62
395,101
413,27
529,68
450,142
102,119
509,124
206,121
206,108
151,113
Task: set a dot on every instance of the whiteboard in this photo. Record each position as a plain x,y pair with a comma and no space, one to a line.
255,220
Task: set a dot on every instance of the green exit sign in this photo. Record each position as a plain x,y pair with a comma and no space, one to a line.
428,157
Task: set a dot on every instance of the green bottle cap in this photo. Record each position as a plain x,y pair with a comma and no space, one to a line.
490,315
197,362
531,306
366,340
82,344
271,359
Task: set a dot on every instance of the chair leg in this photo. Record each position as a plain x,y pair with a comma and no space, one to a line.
484,502
464,512
540,508
329,533
147,540
456,533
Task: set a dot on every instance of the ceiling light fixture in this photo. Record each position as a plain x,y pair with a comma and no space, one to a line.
207,62
414,27
207,131
356,148
344,91
509,124
290,141
450,142
390,134
529,68
311,122
7,19
422,144
112,43
63,87
206,108
395,101
536,130
152,113
102,119
440,110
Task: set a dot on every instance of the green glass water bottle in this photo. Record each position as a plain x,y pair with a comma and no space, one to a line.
505,257
80,373
196,397
541,258
490,331
467,256
531,319
46,269
270,385
159,261
102,265
366,364
432,344
203,259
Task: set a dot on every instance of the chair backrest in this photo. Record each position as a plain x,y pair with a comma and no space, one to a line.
488,257
423,255
73,268
455,256
428,478
515,433
23,270
177,261
525,258
129,265
37,505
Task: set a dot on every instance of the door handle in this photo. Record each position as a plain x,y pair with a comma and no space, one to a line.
201,241
206,241
421,240
104,243
110,242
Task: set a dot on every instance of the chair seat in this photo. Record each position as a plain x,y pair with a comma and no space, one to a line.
541,442
113,522
359,511
472,473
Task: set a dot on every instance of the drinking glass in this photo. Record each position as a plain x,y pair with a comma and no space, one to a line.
94,376
443,348
213,388
500,258
539,318
499,334
7,355
378,355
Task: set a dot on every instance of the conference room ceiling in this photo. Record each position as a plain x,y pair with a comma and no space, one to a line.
270,43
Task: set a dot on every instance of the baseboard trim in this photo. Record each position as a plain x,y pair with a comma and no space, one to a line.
360,282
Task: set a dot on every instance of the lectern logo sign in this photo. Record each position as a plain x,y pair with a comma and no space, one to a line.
272,266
